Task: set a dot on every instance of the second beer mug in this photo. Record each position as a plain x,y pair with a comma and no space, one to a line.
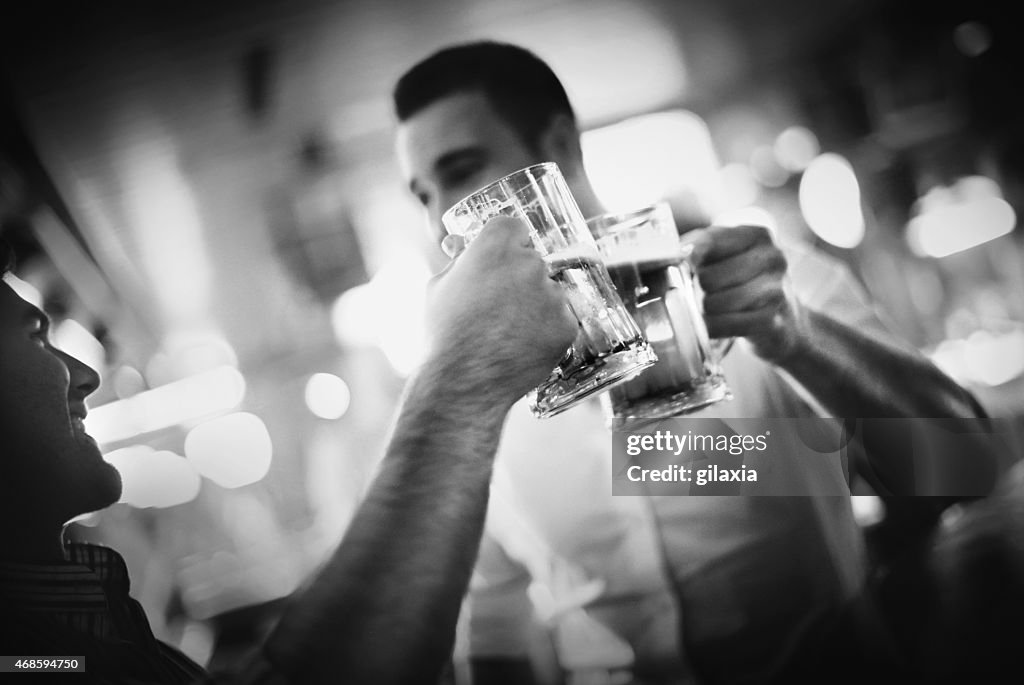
609,347
650,270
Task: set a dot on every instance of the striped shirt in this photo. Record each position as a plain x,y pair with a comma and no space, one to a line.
82,608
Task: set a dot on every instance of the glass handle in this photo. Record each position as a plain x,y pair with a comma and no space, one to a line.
721,346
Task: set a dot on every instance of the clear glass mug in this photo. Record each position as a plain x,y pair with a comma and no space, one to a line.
609,347
654,278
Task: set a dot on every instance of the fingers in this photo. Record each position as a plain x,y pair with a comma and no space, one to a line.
696,244
493,244
716,243
553,310
743,274
740,324
498,233
741,268
453,245
762,291
508,231
498,315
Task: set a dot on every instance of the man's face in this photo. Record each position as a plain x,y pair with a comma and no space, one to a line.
454,147
49,466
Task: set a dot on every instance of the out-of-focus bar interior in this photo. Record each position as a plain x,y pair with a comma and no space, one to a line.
204,197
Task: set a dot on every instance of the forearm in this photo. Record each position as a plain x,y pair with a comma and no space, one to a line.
385,607
855,376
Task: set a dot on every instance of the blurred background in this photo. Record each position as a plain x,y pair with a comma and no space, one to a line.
204,197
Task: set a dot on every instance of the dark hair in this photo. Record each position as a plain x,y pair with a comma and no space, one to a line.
519,85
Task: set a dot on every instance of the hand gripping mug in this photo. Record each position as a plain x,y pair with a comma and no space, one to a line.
651,271
609,346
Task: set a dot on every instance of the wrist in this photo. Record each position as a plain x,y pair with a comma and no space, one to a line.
794,337
461,387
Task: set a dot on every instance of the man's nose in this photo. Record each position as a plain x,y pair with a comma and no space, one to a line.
435,215
84,378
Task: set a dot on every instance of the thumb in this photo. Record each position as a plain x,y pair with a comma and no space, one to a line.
696,244
453,245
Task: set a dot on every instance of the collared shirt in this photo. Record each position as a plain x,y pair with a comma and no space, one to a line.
81,607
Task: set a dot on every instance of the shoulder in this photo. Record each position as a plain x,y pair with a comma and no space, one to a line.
105,561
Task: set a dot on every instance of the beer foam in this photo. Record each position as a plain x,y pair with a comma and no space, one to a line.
621,255
574,253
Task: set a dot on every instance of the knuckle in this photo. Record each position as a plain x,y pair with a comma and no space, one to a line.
536,265
778,261
759,234
505,222
714,304
767,319
768,299
512,229
709,278
716,326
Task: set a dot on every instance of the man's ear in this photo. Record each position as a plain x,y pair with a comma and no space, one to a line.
560,143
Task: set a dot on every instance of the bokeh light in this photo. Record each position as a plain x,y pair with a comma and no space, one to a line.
151,478
739,187
972,38
182,401
327,396
795,148
984,358
75,339
24,290
649,158
351,317
127,382
388,312
830,201
232,450
952,219
868,510
187,353
766,168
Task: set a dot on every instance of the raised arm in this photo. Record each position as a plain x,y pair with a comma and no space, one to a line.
384,608
852,375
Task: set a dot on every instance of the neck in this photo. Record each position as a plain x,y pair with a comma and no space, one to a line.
22,543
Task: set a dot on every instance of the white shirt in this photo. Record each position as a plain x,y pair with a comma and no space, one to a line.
753,564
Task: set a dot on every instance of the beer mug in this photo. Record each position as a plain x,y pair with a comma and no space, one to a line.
651,271
609,347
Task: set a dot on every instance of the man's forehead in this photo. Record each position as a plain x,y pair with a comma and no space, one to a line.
456,121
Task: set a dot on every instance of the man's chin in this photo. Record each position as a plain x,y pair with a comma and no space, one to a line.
100,488
113,486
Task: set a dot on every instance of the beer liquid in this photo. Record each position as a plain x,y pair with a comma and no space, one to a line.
603,331
660,296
